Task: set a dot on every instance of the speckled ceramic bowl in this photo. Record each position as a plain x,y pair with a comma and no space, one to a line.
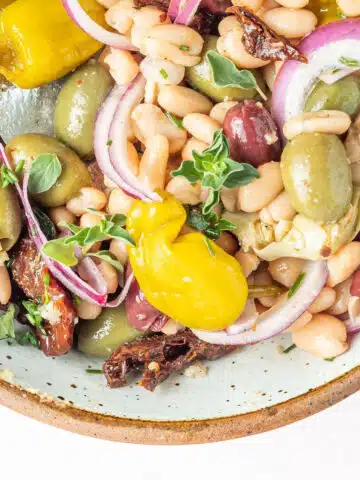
250,391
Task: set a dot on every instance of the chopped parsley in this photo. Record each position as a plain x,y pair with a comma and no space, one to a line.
175,120
164,74
288,349
296,285
349,62
184,48
34,316
93,371
7,177
109,142
209,246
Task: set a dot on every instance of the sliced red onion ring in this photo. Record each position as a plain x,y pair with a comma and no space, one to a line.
118,134
89,26
280,317
93,275
323,48
247,319
353,322
187,12
174,9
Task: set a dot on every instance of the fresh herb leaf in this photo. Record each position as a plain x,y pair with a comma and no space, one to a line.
93,371
210,225
184,48
209,246
7,323
61,252
109,143
296,285
20,166
44,172
7,177
175,120
46,225
27,338
288,349
109,258
164,73
34,316
349,62
330,359
215,169
76,299
47,279
226,74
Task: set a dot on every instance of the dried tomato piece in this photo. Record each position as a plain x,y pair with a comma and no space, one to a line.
261,41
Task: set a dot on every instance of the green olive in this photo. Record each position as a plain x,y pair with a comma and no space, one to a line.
10,218
74,172
200,78
317,176
343,95
102,336
78,102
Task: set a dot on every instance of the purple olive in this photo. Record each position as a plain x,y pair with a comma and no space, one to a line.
252,133
217,7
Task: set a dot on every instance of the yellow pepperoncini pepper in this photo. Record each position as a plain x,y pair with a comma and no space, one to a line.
196,284
326,11
40,43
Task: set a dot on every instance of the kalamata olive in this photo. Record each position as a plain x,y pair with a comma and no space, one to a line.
252,133
217,7
316,175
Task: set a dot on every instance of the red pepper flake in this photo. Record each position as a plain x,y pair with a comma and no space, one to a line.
261,41
79,82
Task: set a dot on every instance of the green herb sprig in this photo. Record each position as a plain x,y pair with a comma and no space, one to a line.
34,316
210,224
7,177
349,62
215,169
44,172
7,322
296,285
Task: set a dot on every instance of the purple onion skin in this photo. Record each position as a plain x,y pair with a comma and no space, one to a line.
217,7
252,134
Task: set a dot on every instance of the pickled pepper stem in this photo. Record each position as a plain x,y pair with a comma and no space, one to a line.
258,291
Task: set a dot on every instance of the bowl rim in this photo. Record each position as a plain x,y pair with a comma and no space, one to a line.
150,432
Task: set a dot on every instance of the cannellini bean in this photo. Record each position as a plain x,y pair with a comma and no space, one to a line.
342,291
355,173
282,228
323,301
267,5
350,8
293,3
230,45
151,92
163,41
219,111
89,220
120,16
227,24
249,262
154,161
299,323
325,336
263,278
107,3
149,120
191,145
61,214
122,65
153,69
182,101
229,198
150,16
119,248
261,191
87,310
279,209
5,285
110,275
109,183
253,5
324,121
286,270
133,158
344,263
182,189
269,74
201,126
290,22
227,242
119,202
88,197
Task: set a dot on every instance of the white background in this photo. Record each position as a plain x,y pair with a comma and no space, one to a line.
323,447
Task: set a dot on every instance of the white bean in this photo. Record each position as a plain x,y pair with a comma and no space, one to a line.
119,248
230,45
290,22
253,5
89,220
153,69
5,285
88,197
286,270
110,275
280,208
229,197
120,16
249,262
261,191
230,22
324,121
299,323
122,65
182,101
201,126
144,19
149,120
325,336
350,8
293,3
191,145
87,310
323,301
119,202
343,263
154,161
342,292
151,92
269,74
61,214
219,111
182,189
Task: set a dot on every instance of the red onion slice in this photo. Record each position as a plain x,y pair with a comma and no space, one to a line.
93,275
324,47
186,15
353,322
118,134
280,317
174,9
247,319
89,26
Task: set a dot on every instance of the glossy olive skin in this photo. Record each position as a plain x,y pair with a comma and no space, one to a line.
74,172
102,336
78,102
200,78
252,133
10,218
316,176
343,95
